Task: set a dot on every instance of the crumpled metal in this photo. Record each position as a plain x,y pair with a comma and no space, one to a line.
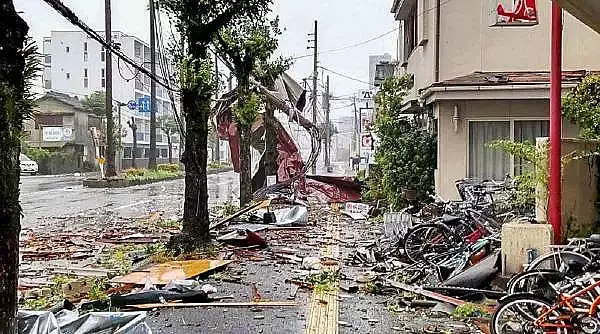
67,322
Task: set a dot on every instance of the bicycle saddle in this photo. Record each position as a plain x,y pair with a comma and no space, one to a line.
449,219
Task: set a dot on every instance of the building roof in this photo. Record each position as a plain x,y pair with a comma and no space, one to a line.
71,101
511,78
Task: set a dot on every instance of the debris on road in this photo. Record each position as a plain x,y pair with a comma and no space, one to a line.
232,305
71,322
164,273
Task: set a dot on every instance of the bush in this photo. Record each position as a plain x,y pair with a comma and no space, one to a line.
172,168
147,174
406,155
134,172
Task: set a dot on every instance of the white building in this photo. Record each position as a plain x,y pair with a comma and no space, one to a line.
373,61
75,64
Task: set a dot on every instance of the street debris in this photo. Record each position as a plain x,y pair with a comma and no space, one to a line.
66,321
166,272
229,305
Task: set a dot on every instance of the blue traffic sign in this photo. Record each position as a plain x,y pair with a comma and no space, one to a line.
132,105
143,104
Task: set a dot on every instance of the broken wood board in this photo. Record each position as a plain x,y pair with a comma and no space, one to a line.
243,304
252,208
170,271
432,295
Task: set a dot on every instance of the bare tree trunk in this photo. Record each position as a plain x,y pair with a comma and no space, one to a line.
270,166
245,165
170,149
196,223
12,86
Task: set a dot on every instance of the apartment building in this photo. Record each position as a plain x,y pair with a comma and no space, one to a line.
75,64
483,76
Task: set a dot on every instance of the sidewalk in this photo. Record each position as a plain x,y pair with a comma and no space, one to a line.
333,239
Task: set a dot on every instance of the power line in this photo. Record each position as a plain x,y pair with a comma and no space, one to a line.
344,75
350,46
68,14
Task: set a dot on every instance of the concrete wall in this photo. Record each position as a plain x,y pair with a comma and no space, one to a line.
453,146
468,43
579,189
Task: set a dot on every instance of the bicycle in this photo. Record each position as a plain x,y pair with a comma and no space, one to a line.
574,307
569,258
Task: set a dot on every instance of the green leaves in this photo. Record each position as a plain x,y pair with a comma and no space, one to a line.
96,103
406,155
582,106
246,109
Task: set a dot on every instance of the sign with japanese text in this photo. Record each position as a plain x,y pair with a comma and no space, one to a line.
513,12
56,133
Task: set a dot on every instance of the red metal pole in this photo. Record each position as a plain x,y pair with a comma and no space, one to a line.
554,202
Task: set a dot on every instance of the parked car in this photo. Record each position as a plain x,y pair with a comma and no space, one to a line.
28,166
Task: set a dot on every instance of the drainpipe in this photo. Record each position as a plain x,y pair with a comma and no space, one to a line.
437,40
554,191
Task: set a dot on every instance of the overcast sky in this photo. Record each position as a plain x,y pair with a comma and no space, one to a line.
341,23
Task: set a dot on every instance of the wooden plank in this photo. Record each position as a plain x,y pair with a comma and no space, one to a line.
170,271
241,304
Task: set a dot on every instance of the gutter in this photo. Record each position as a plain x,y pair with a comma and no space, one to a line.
432,90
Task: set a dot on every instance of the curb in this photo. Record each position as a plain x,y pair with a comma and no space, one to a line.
124,183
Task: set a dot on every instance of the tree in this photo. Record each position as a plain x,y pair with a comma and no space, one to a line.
582,106
96,103
266,72
406,154
169,127
18,66
199,23
245,45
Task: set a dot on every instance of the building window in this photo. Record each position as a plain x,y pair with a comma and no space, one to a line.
127,152
164,153
103,54
48,59
48,84
68,49
85,78
68,75
410,32
138,49
487,163
85,56
103,78
85,47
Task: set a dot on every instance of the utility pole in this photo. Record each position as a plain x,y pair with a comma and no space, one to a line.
314,77
120,148
152,157
110,132
133,128
355,132
327,125
217,147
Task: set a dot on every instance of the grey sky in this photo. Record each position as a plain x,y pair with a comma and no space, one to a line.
341,23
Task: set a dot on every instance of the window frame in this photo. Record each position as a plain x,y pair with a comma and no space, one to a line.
511,121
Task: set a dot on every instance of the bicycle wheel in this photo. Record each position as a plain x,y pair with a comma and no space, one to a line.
509,317
567,262
535,282
427,239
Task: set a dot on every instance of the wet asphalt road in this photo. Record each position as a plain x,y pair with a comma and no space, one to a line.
63,195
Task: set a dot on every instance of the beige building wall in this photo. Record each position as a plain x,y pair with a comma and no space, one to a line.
468,43
453,146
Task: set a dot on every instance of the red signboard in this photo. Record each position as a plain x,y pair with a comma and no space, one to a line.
516,12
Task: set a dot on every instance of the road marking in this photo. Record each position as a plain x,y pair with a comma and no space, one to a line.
323,313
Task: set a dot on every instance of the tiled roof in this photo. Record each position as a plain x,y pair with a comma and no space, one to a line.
511,78
71,101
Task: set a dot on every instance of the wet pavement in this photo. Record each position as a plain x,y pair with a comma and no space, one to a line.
63,195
